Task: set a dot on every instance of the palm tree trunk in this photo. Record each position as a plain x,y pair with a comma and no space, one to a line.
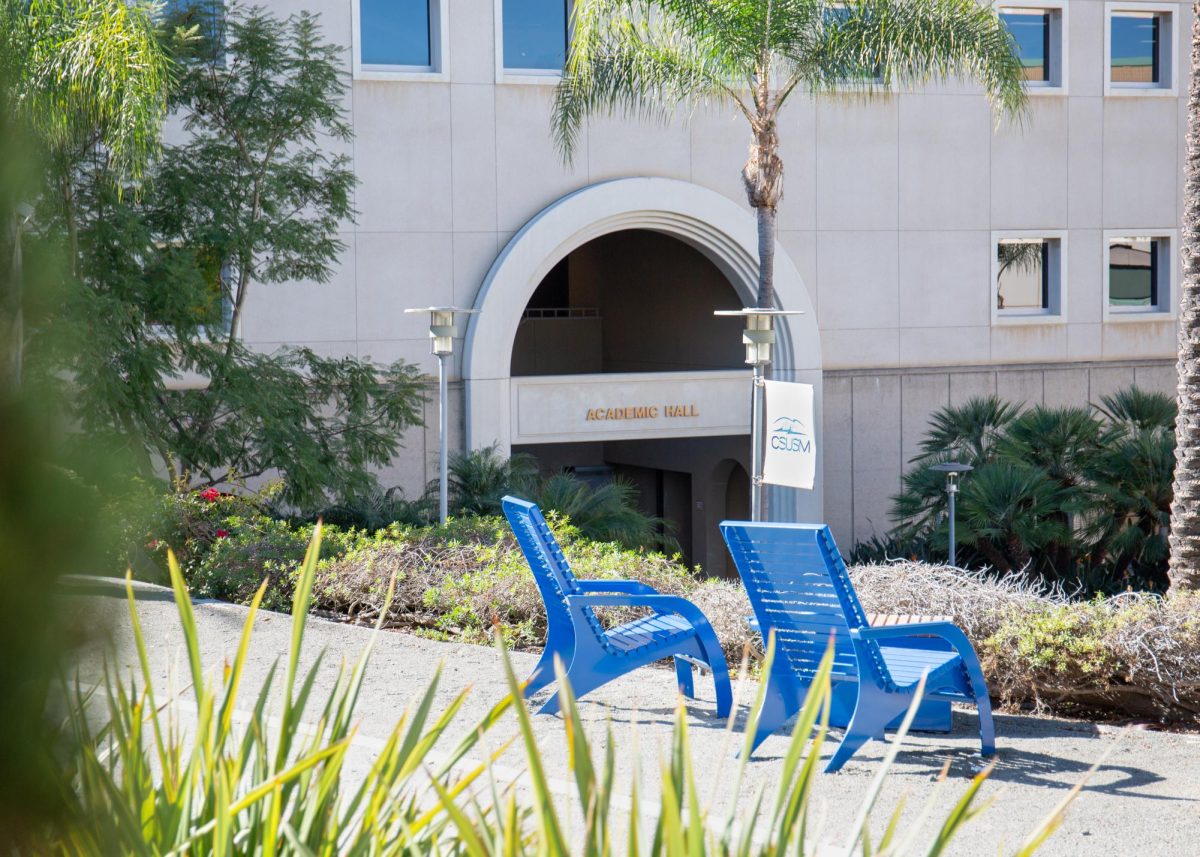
763,179
1185,507
766,256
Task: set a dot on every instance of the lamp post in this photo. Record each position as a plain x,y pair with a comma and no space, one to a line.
441,334
758,337
952,469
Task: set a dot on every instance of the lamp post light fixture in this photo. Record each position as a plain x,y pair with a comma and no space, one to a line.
952,469
758,337
441,334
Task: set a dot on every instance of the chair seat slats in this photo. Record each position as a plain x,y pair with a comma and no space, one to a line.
593,654
801,592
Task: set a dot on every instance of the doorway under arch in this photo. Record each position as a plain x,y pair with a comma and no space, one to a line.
503,401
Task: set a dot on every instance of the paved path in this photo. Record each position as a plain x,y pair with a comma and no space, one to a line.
1145,800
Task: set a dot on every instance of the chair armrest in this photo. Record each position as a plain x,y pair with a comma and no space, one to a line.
661,603
948,631
634,587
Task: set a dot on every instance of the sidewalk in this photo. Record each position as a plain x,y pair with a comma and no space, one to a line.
1145,799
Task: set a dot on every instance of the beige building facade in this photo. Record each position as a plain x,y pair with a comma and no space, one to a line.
596,280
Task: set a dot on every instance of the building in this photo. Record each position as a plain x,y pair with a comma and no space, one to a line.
935,255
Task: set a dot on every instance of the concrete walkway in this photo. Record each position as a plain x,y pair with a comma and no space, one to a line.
1144,800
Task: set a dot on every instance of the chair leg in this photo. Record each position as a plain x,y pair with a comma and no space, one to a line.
779,704
987,729
683,677
583,678
543,673
871,716
712,654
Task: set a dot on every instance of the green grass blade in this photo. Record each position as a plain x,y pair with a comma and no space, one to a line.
1038,836
859,830
961,813
187,618
547,817
300,602
225,717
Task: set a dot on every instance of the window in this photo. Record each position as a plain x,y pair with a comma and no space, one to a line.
833,16
1028,275
208,16
534,35
1139,274
399,38
1139,48
209,305
1037,37
395,33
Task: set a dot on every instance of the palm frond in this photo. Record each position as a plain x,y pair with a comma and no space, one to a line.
909,44
1136,408
628,57
88,71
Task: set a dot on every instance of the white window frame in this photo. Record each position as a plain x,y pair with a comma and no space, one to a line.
1168,44
439,49
526,76
1057,312
1060,44
1167,291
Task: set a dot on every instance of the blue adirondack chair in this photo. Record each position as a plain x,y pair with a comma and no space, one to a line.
593,655
799,588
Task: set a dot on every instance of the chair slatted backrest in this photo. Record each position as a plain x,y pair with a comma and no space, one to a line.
798,585
550,568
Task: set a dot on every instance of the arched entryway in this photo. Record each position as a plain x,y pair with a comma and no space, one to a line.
628,402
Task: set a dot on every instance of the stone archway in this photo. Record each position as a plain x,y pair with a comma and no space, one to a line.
711,223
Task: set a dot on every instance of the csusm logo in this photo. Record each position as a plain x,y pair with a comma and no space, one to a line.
788,435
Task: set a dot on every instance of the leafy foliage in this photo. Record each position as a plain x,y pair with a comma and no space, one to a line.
87,70
148,332
74,75
480,478
605,512
1074,495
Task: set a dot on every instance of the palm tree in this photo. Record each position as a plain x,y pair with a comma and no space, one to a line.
1185,507
75,76
648,57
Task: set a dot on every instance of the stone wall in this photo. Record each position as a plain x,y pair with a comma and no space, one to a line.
874,421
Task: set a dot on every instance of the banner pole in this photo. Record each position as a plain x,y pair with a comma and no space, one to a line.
756,445
758,337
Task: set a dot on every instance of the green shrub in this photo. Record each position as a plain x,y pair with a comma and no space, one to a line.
1078,496
457,581
1134,655
141,784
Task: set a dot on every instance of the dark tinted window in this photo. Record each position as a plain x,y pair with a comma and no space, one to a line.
1133,272
535,34
395,32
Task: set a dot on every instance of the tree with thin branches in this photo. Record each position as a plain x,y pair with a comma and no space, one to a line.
648,58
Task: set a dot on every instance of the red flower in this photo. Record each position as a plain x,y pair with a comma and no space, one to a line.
210,494
222,533
152,544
